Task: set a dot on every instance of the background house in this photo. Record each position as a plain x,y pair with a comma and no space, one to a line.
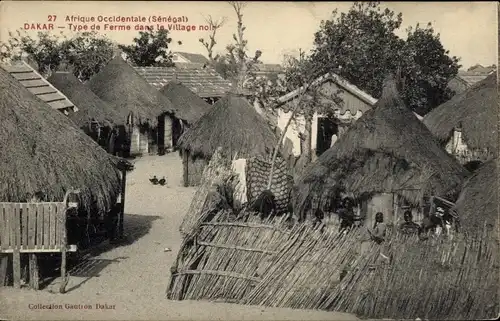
186,57
466,78
355,102
203,81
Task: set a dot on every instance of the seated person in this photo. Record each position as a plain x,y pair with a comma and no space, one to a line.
408,226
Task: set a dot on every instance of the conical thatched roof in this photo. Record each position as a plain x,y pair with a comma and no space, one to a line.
190,107
90,106
42,151
233,124
475,110
478,201
120,85
386,150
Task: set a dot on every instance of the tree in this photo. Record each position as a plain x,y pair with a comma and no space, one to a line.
44,51
427,68
150,48
371,50
85,53
210,43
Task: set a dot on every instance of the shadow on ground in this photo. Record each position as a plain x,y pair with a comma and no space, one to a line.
85,263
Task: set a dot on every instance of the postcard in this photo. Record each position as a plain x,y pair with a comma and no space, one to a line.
203,160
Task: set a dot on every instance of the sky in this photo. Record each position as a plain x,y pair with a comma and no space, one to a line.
468,29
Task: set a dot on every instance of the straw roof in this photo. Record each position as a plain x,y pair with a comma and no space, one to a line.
42,151
478,201
120,85
91,107
386,150
474,110
233,124
190,107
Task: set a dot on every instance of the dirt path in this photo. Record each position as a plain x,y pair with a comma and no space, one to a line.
131,280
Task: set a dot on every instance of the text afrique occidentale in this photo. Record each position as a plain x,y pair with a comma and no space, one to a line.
119,23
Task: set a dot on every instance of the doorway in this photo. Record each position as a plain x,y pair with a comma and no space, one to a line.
326,129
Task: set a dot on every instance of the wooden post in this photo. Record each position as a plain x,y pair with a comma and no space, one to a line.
16,267
394,208
33,268
185,166
4,261
122,204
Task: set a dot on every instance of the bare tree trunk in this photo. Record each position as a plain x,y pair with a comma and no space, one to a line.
307,139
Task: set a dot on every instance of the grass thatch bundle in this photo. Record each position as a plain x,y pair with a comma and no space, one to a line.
43,152
386,150
190,107
474,111
233,124
119,84
90,106
477,205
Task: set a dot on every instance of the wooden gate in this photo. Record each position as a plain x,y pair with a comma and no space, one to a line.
34,228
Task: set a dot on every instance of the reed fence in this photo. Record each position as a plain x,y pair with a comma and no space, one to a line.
239,258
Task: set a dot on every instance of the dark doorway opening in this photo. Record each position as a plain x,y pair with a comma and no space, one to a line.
326,129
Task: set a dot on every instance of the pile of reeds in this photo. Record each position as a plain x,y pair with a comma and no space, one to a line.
217,173
434,279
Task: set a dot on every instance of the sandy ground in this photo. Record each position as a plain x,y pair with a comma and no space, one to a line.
132,279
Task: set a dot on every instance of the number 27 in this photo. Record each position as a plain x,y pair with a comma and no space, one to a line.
52,17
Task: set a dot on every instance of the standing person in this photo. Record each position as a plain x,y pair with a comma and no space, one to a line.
346,215
408,226
379,229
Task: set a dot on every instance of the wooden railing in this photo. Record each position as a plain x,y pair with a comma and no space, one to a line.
35,228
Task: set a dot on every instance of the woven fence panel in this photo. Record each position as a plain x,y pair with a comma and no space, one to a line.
257,173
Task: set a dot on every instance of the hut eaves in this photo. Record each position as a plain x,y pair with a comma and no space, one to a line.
474,111
119,84
42,151
190,106
232,124
92,108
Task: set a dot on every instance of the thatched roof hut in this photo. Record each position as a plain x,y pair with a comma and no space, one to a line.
190,107
233,124
90,106
474,111
43,152
478,201
119,84
387,150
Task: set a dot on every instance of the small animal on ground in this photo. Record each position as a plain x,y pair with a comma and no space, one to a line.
162,181
154,180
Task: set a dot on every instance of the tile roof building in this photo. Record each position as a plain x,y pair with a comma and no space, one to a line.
203,81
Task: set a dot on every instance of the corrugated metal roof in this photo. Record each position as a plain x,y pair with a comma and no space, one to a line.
205,82
39,86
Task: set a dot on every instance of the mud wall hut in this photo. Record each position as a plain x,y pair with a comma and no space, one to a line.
95,117
142,105
232,124
466,125
387,160
189,108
